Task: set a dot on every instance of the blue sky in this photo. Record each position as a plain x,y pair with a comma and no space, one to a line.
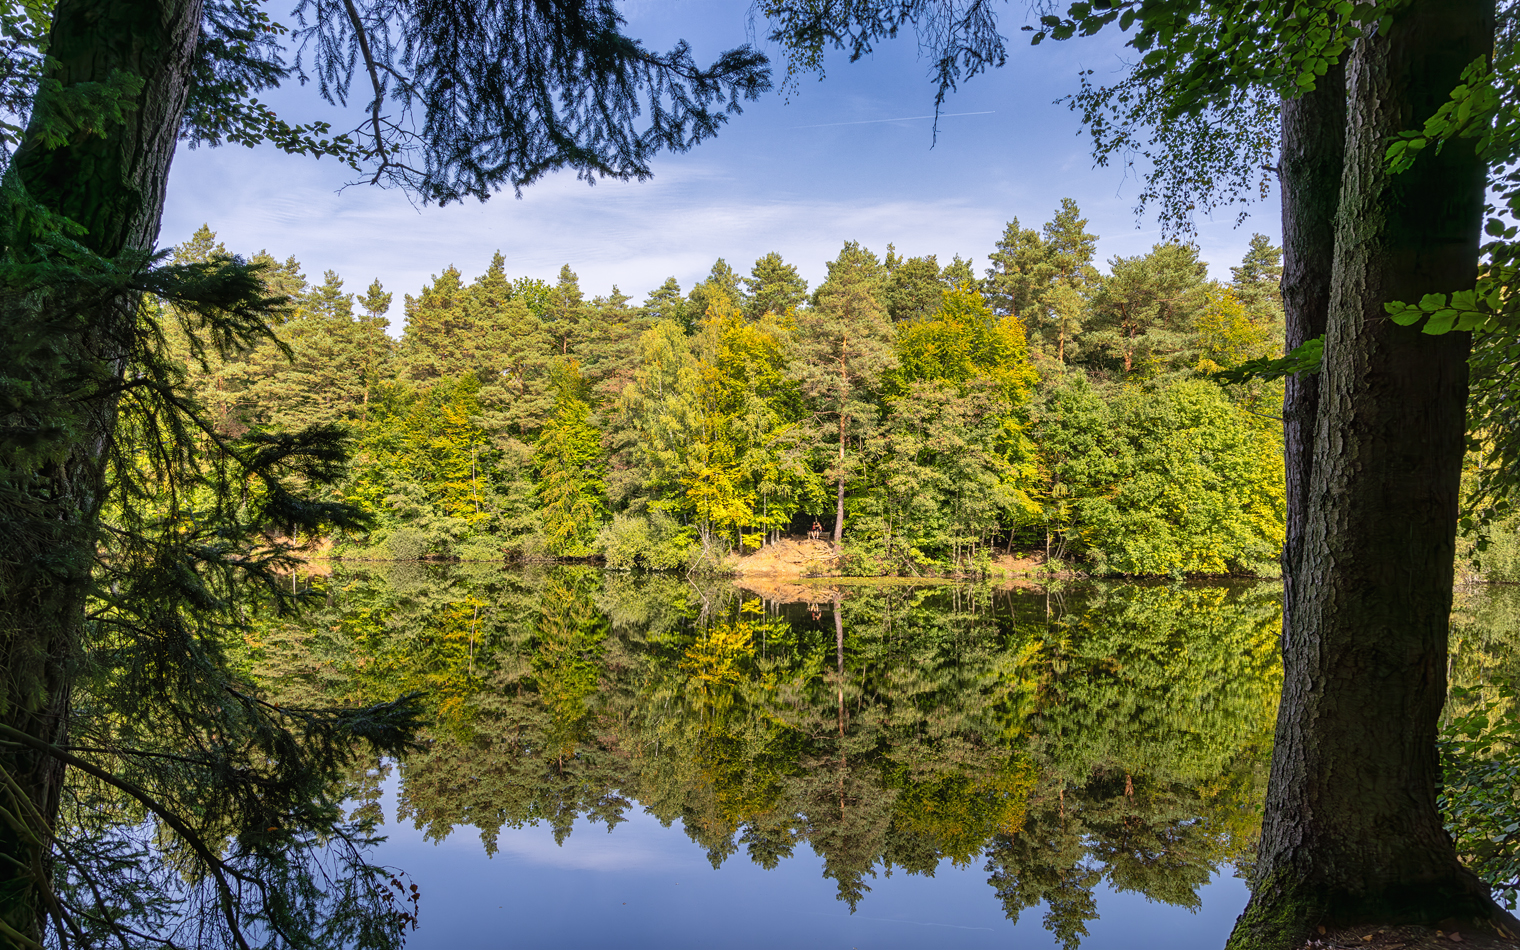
844,159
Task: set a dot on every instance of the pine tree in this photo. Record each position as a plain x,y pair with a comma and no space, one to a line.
913,286
282,279
844,346
1020,271
611,350
721,281
1066,312
1257,282
666,302
376,301
959,274
375,350
1143,312
202,246
773,286
568,319
436,327
1070,247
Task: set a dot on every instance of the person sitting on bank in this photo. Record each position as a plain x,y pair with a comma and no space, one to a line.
815,531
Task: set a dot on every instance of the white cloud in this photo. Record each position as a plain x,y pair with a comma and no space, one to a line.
764,184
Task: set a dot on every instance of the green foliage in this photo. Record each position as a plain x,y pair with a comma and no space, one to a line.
773,286
1304,358
912,288
569,462
964,341
1144,313
441,119
1225,334
952,462
1480,775
1480,737
721,283
1174,479
653,540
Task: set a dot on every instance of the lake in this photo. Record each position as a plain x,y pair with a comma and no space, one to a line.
656,761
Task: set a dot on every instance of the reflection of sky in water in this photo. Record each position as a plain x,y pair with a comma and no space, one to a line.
645,886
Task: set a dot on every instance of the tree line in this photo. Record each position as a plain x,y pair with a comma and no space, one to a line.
926,417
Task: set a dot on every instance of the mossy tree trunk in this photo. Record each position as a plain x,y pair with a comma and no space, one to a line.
1351,832
111,183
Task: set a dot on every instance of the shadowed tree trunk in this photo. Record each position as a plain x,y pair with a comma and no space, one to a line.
1351,832
113,185
1309,172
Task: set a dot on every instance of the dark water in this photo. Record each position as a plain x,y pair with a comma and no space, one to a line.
651,762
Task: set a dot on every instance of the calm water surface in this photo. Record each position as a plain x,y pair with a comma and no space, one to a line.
651,762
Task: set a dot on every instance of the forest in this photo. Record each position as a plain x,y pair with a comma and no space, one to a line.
175,438
928,418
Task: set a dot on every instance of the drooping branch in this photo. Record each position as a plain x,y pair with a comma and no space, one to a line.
218,868
375,83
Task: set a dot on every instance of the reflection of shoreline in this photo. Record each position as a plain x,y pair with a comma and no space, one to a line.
807,590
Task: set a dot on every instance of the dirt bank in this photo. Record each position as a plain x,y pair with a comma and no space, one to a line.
789,558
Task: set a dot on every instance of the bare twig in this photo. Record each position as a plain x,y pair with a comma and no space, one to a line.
374,80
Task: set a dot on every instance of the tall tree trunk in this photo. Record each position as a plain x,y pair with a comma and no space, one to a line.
839,492
844,402
113,185
1351,833
1309,172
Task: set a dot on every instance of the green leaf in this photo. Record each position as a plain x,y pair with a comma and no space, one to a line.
1472,320
1307,357
1440,322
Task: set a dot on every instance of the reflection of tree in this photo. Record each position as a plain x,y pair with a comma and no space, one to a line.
1151,736
1115,735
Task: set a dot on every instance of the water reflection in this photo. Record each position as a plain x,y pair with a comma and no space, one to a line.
1107,737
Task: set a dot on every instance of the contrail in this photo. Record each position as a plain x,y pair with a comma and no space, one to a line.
903,118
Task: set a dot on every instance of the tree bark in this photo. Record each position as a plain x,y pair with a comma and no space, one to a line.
1309,174
1351,832
113,185
844,402
839,490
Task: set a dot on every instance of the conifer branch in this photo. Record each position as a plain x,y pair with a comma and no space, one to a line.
219,869
374,79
